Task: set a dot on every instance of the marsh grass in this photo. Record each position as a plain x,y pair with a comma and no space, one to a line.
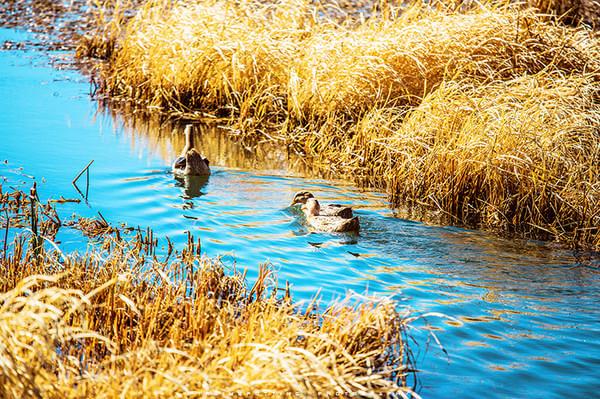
105,20
572,12
484,112
123,321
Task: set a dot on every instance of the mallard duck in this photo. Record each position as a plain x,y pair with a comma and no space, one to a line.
331,218
190,162
342,211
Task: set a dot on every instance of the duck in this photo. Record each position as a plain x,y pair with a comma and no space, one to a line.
190,162
328,210
332,218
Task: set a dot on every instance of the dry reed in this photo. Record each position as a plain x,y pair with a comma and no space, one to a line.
485,112
571,11
123,321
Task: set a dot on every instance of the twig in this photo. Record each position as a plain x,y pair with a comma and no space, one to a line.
33,204
87,181
80,193
6,233
82,170
50,217
63,200
87,187
102,217
34,201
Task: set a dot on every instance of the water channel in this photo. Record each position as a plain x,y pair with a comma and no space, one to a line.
526,320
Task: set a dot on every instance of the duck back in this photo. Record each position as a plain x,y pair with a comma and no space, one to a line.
196,164
342,211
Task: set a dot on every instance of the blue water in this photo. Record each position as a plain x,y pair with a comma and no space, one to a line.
525,317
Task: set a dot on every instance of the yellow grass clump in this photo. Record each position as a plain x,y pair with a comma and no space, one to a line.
521,155
283,58
125,322
486,113
571,11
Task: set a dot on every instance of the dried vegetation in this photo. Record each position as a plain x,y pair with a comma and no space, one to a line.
487,113
125,321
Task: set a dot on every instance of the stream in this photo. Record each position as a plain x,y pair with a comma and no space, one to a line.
524,315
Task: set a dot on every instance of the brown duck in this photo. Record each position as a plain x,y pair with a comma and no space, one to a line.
190,162
329,218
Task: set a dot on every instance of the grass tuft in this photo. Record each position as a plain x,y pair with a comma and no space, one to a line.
124,321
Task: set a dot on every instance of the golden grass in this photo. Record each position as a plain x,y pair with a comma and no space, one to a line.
105,20
571,11
124,322
521,155
485,113
279,57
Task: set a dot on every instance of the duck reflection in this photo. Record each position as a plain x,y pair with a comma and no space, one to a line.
192,185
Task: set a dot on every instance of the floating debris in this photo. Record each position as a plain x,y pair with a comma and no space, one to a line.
63,200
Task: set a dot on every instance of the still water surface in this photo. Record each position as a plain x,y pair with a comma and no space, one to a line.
527,320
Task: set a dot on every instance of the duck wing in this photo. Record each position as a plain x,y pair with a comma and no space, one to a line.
179,163
351,225
338,210
334,224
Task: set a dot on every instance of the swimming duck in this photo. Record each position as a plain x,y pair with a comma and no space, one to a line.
190,162
330,218
328,210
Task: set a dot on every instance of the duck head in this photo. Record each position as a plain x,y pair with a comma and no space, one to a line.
301,197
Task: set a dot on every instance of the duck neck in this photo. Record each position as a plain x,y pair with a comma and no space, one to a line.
312,207
189,139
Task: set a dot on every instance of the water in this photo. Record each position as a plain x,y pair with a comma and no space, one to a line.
526,320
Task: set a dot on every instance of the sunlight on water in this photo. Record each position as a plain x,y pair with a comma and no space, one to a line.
525,315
